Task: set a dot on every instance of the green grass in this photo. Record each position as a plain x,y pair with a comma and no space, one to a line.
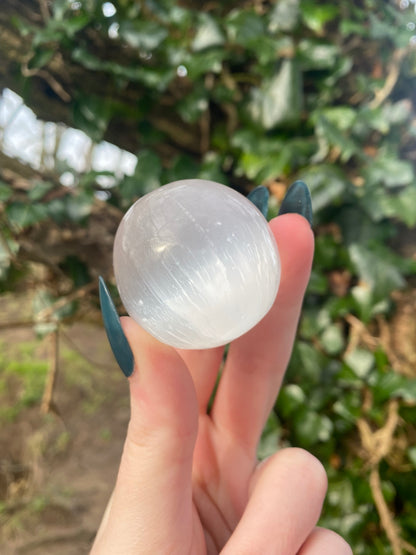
81,376
22,379
24,372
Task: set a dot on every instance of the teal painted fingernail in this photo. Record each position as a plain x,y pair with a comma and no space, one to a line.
297,201
118,341
260,198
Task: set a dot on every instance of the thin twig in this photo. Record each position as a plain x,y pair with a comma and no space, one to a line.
408,547
50,79
75,295
378,445
44,10
17,324
386,517
391,79
359,332
47,400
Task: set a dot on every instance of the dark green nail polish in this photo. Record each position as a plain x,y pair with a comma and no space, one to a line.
260,198
297,201
119,344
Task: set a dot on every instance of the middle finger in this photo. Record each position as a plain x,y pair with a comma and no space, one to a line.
257,361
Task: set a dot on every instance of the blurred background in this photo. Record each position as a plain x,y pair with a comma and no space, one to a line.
102,102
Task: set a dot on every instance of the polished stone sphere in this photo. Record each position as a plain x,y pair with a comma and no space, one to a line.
196,264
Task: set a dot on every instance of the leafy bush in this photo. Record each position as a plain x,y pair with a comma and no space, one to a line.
257,93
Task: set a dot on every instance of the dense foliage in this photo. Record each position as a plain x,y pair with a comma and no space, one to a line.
249,93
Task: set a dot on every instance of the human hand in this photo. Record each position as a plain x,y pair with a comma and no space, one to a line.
189,481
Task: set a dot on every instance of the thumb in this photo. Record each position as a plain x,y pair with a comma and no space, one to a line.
154,481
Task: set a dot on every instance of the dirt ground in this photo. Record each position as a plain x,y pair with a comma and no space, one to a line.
57,470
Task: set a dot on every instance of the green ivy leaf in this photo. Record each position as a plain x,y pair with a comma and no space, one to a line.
8,249
368,120
390,172
342,117
367,305
146,177
183,167
306,365
91,114
284,16
204,62
391,28
41,58
411,453
332,339
310,427
141,34
375,270
39,190
280,100
361,362
77,270
349,406
72,25
192,106
326,183
291,398
399,205
315,16
22,215
314,321
5,192
78,207
90,178
330,135
59,9
244,27
260,167
391,385
211,168
208,33
314,55
57,210
398,113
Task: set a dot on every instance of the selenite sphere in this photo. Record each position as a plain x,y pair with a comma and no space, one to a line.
196,264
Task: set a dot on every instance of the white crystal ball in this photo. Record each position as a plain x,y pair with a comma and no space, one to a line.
196,264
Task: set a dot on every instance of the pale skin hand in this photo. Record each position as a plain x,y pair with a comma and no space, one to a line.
189,483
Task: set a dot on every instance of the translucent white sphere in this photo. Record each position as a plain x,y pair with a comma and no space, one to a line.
196,264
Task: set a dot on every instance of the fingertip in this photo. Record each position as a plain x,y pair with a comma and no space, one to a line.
294,227
295,241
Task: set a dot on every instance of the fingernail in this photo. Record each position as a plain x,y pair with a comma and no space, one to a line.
118,341
297,200
260,198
